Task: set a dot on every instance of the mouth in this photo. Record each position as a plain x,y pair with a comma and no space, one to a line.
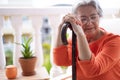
89,29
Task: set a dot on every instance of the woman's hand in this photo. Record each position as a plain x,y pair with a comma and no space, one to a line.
75,22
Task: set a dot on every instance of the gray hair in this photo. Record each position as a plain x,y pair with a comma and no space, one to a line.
93,3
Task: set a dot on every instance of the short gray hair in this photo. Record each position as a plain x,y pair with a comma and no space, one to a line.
93,3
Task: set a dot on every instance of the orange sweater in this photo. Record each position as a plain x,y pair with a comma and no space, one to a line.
105,61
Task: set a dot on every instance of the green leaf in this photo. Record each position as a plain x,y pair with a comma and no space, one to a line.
26,51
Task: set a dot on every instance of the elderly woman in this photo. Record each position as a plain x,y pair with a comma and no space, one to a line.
98,51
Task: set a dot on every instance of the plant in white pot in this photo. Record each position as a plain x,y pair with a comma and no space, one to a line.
27,61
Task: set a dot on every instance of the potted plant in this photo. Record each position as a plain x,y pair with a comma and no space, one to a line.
27,61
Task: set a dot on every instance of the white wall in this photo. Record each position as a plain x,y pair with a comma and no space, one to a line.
111,25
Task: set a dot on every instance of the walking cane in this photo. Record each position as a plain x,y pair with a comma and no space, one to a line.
64,40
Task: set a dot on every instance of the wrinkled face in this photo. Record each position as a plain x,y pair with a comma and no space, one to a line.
90,20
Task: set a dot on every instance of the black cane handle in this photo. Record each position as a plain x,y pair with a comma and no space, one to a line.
64,31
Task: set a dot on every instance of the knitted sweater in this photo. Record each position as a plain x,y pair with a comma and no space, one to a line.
104,63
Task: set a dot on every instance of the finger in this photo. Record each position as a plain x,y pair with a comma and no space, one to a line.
78,21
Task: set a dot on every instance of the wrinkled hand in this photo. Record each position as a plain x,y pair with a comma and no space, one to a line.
75,22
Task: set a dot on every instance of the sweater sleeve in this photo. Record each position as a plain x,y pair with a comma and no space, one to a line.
104,61
62,55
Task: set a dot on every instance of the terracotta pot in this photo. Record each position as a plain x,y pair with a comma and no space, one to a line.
11,72
28,66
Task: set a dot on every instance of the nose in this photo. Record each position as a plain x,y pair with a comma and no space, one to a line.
89,21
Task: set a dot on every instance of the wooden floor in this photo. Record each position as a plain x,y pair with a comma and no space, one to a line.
41,74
